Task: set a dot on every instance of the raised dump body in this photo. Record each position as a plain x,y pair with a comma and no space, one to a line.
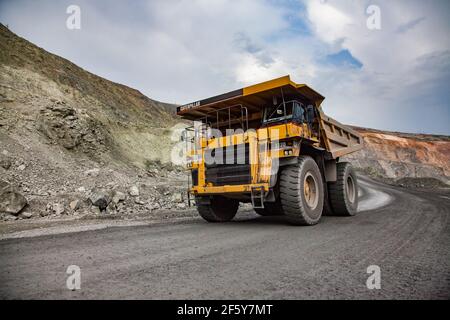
269,144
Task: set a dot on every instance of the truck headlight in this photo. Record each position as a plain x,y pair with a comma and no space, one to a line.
285,144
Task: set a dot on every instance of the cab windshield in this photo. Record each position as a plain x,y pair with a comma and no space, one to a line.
283,112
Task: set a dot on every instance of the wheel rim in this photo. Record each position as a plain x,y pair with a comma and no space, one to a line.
350,188
310,191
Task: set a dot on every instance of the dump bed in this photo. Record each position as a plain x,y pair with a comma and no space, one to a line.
337,138
334,137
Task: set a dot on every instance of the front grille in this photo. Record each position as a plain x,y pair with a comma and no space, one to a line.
231,165
229,175
235,155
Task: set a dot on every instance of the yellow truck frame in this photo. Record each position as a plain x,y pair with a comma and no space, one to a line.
291,164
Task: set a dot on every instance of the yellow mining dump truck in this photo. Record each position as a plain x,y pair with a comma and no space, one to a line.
271,145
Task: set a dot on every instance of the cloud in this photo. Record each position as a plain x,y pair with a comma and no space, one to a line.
330,23
409,25
180,51
401,74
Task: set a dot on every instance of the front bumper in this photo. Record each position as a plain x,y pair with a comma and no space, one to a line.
215,190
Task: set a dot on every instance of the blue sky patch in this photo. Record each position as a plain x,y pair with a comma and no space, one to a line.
343,59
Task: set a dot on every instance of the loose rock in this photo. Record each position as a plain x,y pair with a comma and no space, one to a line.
134,191
25,215
74,205
118,197
111,208
58,208
139,201
177,197
11,201
95,210
100,198
5,164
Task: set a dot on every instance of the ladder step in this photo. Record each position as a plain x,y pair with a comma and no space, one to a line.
257,197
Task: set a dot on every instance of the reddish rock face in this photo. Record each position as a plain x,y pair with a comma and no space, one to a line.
400,155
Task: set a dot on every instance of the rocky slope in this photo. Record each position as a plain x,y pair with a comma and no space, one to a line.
398,155
71,142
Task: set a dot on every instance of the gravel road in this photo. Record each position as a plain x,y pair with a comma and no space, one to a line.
406,233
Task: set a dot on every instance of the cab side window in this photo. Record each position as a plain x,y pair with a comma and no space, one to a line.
298,113
310,114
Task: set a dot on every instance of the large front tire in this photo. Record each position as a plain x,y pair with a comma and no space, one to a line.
344,192
301,192
217,209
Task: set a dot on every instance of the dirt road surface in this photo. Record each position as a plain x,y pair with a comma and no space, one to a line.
406,233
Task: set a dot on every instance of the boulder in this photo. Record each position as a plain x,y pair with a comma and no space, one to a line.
177,197
74,205
111,209
58,208
95,210
118,197
5,163
43,213
11,201
134,191
25,215
152,206
100,198
139,201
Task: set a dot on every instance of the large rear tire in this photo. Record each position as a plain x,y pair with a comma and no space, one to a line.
344,192
217,209
301,192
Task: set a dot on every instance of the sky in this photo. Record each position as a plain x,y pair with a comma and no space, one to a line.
382,64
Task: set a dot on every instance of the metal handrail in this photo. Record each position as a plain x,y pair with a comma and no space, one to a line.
244,115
